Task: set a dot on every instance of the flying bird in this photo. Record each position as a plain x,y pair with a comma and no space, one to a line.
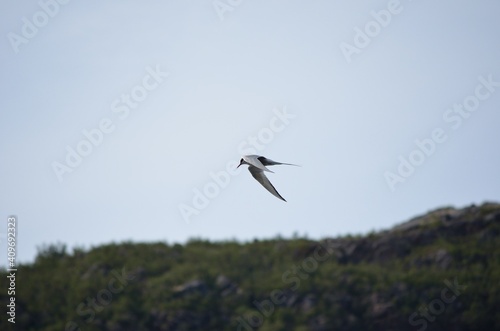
257,165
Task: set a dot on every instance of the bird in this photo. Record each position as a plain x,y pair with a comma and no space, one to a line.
257,165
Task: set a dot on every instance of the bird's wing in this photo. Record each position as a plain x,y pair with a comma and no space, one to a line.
259,175
254,161
268,162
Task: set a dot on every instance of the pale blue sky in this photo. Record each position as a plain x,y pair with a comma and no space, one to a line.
353,120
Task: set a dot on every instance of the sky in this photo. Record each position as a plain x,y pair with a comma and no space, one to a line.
125,120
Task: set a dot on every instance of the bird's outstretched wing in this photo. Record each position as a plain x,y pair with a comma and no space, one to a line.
259,175
268,162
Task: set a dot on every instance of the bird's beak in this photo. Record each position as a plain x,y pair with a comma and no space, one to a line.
238,166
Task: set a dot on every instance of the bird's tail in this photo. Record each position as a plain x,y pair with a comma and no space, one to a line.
296,165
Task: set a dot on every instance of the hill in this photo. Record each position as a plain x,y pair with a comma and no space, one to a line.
439,271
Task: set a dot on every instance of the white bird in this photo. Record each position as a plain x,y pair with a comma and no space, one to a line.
257,165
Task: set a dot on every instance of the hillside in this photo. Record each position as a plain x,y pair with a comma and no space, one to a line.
440,271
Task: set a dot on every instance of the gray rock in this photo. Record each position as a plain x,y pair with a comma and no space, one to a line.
190,287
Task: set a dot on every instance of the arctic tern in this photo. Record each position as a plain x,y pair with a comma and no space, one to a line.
257,165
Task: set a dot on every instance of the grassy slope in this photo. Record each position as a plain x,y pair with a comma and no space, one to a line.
374,282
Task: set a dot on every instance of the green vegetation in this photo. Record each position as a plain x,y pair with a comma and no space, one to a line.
436,272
